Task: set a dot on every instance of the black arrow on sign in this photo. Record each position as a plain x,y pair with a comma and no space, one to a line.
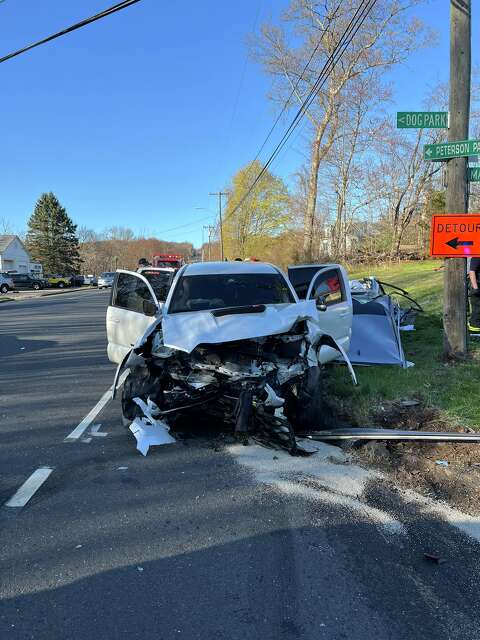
459,243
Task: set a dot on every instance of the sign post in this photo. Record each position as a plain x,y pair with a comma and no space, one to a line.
455,235
446,150
422,120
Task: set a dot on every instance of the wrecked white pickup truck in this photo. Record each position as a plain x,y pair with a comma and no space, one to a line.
232,341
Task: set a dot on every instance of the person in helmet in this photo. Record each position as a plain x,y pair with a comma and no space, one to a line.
474,277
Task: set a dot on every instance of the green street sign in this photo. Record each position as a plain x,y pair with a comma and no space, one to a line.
422,120
446,150
474,174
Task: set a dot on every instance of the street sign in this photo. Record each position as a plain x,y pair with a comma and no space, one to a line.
455,235
422,119
445,150
474,174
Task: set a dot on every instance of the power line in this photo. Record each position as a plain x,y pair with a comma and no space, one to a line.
73,27
183,226
354,25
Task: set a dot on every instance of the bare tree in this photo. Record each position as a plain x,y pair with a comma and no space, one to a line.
386,38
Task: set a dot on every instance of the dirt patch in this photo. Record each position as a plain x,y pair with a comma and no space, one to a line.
448,471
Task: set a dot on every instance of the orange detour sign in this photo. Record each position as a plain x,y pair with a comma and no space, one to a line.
455,235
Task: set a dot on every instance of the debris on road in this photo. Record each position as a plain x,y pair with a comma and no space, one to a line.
148,434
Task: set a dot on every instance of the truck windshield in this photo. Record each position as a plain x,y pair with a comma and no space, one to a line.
201,293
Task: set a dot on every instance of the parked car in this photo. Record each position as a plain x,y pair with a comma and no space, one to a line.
59,281
106,279
232,338
77,281
24,281
6,283
90,280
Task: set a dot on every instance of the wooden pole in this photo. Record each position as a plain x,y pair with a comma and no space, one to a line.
455,294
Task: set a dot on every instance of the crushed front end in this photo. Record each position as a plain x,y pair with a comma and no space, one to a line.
264,387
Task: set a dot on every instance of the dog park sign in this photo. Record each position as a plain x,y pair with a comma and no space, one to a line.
455,235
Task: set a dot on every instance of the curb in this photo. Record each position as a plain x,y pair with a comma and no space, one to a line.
66,290
43,295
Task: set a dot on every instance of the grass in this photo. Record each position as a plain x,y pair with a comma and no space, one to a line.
453,388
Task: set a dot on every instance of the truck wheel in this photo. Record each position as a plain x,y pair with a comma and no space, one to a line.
35,286
61,285
4,288
139,383
304,405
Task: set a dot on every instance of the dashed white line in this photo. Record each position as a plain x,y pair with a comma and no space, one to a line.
29,487
93,413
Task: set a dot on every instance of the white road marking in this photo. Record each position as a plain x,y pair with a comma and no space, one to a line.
29,487
93,413
95,431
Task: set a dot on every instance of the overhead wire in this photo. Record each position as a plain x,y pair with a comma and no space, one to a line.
354,25
78,25
182,226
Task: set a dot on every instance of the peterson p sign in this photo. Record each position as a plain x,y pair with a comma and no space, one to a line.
446,150
455,236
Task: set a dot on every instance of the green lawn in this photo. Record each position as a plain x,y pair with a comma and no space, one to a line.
454,388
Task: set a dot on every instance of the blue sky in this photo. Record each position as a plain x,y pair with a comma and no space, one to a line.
133,120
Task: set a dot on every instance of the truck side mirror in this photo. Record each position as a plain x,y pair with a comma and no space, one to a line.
321,303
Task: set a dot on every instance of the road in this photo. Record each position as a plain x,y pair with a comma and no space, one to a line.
197,541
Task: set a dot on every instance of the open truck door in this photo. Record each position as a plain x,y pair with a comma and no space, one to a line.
329,288
133,307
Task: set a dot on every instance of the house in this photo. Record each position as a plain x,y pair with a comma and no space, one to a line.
15,257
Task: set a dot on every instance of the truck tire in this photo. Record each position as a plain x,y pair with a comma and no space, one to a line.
304,405
61,285
4,288
139,383
35,286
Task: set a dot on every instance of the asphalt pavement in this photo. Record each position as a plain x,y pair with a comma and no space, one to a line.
196,541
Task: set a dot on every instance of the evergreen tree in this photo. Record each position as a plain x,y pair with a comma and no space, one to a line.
52,237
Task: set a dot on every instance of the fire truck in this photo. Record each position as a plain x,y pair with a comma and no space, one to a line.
167,260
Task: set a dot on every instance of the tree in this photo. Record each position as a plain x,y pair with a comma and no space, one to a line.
250,224
51,237
385,38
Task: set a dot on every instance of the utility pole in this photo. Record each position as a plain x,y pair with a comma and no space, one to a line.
455,293
209,229
220,194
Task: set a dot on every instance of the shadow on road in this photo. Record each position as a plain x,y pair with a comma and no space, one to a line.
10,345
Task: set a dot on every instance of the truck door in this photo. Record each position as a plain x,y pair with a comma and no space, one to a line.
329,288
133,308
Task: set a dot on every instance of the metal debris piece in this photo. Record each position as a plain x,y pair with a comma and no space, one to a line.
358,433
442,463
409,403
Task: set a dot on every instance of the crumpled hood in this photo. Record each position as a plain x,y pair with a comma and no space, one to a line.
185,331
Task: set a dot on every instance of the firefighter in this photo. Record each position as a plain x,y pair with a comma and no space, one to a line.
474,277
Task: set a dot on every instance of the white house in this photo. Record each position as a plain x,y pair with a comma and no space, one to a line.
14,257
